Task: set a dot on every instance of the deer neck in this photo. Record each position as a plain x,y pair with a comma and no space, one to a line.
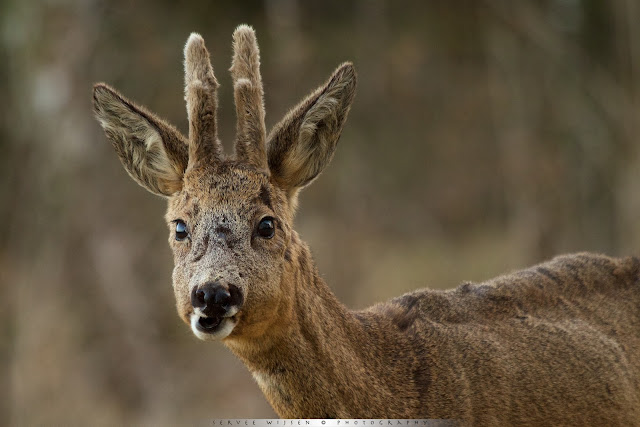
308,365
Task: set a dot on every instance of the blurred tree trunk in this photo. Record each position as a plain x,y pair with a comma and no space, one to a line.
51,321
627,17
513,104
577,100
284,24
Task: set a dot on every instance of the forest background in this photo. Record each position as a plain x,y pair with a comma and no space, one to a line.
485,136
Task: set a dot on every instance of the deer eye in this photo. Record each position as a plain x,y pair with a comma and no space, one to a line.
266,228
181,230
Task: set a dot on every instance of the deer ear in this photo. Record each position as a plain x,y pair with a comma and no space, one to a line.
303,143
153,152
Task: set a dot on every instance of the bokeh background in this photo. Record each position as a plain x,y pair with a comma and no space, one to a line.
485,136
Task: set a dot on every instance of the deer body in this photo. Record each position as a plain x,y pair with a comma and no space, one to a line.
555,344
549,344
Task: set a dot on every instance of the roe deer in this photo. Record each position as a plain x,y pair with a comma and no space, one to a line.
558,343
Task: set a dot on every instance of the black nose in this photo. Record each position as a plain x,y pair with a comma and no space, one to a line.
213,298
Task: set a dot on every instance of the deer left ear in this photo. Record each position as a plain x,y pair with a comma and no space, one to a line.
153,152
303,143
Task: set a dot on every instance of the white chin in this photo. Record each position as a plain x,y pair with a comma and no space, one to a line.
220,332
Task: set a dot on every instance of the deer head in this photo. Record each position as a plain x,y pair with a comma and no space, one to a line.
230,217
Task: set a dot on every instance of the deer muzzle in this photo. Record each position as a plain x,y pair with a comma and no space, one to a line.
214,308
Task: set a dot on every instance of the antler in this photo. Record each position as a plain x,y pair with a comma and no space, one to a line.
200,94
250,143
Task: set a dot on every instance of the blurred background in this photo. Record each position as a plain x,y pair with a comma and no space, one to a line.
486,136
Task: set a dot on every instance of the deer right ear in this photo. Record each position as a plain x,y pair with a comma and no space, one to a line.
153,152
303,143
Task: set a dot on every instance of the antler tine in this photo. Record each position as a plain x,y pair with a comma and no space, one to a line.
248,94
200,94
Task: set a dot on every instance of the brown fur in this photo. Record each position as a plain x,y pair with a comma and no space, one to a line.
556,344
200,86
153,152
303,143
249,98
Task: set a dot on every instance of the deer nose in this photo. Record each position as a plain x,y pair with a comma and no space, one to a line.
212,298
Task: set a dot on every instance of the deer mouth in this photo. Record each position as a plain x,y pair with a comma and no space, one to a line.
207,324
215,308
213,328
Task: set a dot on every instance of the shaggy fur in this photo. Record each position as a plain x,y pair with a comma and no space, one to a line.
303,143
556,344
153,152
200,86
249,98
